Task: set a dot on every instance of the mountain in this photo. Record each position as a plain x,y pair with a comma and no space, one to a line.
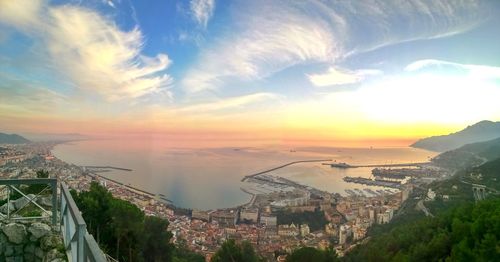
12,139
62,137
482,131
469,155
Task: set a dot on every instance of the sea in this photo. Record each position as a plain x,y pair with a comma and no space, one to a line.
208,176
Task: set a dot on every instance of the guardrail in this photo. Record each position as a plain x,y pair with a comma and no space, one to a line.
80,245
10,185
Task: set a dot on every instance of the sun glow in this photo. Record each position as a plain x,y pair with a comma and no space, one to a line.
430,98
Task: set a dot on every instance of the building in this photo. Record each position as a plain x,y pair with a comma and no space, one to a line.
225,218
345,232
249,215
200,215
268,220
301,200
304,230
431,195
331,230
288,230
385,217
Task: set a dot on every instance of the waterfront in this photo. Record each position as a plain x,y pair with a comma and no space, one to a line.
209,177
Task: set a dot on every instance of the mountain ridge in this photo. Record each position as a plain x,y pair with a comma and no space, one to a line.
482,131
12,139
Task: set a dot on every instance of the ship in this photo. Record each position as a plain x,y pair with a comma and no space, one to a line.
341,165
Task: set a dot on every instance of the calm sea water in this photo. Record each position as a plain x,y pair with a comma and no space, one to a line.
207,177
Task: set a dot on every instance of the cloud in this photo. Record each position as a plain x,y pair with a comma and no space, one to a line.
444,67
90,50
202,11
230,103
269,36
335,77
20,13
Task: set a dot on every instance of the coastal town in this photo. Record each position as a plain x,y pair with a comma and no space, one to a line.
325,219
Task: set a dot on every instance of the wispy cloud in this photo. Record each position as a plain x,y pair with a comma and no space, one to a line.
444,67
335,77
271,36
89,49
202,11
231,103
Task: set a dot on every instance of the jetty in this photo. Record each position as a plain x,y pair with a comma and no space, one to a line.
107,167
345,165
282,166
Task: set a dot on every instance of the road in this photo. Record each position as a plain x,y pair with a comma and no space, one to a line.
420,205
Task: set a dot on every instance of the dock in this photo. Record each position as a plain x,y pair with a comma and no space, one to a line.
345,165
108,167
282,166
370,182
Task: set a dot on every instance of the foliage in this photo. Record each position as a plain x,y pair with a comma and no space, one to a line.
183,254
465,233
122,230
316,220
157,246
230,251
310,254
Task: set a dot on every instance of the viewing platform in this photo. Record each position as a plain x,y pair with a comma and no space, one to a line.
34,223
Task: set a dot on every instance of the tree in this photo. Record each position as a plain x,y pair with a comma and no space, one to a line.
310,254
156,240
127,222
183,254
232,252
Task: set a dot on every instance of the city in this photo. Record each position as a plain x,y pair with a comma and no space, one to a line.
346,218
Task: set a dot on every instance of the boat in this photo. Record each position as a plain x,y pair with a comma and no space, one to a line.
340,165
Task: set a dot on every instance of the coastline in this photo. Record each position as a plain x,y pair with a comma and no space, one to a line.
242,200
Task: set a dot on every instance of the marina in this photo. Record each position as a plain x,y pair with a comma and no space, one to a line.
371,182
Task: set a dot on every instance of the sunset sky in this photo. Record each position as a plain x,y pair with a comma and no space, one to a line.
341,71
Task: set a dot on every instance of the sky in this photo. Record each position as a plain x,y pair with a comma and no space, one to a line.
324,71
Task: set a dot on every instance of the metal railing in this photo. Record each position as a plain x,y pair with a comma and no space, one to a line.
11,186
80,245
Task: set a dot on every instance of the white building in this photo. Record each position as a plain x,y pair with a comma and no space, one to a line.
249,215
304,230
268,220
344,232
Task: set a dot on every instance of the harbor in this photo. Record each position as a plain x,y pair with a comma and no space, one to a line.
372,182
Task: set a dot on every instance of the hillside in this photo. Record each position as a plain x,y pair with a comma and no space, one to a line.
482,131
466,233
469,155
487,174
12,139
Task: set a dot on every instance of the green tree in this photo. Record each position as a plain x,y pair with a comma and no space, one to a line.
183,254
127,222
156,240
310,254
230,251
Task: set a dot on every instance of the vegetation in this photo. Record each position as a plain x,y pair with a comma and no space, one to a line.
123,231
310,254
316,220
469,155
466,233
230,251
486,174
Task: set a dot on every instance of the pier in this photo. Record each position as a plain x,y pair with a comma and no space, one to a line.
108,167
345,165
282,166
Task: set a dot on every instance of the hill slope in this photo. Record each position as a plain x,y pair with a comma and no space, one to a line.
482,131
469,155
12,139
465,233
